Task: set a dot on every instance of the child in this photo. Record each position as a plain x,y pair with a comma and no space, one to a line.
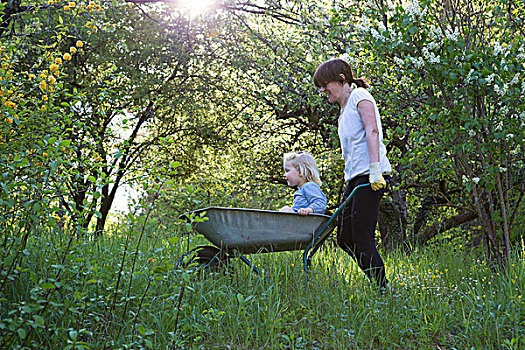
300,170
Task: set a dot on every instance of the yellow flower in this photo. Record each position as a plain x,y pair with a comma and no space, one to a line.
67,8
44,98
72,4
89,24
67,56
43,85
44,154
8,120
58,60
43,108
43,75
53,67
80,43
57,73
50,2
51,79
10,104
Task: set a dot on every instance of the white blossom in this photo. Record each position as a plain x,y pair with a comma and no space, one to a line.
470,76
398,61
471,133
475,180
453,36
430,56
516,79
502,169
490,78
376,35
418,62
501,91
433,45
435,33
345,57
497,48
413,9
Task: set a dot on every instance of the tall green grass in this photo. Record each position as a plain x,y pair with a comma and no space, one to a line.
440,299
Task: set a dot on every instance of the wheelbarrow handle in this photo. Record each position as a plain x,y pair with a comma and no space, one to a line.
326,229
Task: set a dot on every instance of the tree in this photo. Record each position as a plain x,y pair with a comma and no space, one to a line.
455,69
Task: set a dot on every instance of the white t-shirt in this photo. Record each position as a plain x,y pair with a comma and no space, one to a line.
352,135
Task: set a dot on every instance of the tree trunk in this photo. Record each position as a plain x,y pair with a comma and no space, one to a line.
432,230
392,220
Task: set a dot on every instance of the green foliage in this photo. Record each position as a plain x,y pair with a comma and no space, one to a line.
198,112
455,93
440,298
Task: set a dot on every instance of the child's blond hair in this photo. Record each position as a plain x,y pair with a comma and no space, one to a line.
305,165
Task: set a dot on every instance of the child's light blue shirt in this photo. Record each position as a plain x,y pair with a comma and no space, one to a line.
309,196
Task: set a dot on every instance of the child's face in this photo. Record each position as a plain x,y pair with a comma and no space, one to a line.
292,176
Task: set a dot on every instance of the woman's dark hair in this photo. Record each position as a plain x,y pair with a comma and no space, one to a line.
330,71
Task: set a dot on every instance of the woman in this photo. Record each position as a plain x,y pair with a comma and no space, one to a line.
364,153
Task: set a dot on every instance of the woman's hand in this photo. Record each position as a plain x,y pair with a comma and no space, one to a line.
376,177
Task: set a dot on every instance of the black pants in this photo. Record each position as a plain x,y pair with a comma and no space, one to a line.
357,225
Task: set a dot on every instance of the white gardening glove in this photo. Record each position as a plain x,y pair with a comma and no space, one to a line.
376,177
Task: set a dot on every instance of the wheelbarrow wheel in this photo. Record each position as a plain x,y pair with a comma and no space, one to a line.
205,256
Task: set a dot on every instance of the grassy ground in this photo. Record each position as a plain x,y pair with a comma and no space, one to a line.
109,294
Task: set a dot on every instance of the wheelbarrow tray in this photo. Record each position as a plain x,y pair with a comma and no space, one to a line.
250,231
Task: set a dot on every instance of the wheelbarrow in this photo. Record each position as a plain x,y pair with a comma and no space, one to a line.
237,231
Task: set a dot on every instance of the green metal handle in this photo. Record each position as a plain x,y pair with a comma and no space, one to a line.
322,232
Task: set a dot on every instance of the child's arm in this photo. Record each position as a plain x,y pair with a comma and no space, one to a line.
315,197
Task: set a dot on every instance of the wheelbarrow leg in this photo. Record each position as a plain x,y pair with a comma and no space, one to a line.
249,263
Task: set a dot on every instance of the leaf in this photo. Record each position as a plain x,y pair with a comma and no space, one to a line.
21,333
47,285
39,320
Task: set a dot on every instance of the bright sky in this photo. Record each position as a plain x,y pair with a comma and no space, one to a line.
196,7
122,198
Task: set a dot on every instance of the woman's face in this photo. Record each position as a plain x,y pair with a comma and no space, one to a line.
334,91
